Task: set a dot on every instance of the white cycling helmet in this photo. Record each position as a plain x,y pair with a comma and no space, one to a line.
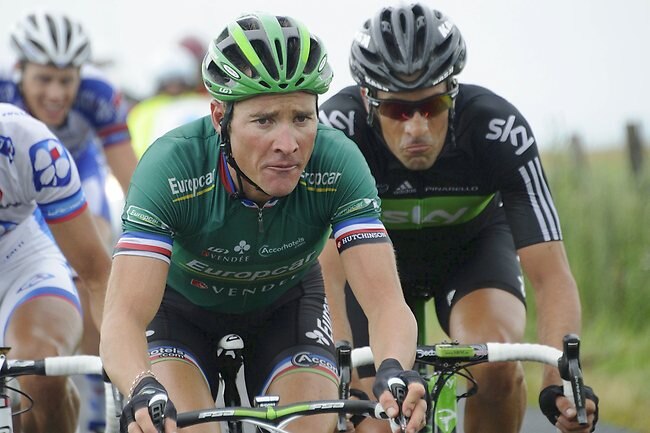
175,64
50,38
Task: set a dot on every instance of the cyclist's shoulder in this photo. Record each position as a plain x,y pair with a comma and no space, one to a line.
346,112
474,100
188,146
348,98
20,128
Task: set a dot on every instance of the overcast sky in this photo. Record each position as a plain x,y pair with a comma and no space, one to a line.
569,65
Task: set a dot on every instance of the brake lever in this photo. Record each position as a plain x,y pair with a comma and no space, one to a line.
397,387
156,407
569,366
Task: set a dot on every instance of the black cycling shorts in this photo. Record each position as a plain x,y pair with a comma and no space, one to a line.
294,332
489,261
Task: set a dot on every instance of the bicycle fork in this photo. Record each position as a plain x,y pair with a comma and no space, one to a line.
6,422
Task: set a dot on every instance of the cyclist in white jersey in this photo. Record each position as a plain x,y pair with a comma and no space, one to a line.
53,82
40,312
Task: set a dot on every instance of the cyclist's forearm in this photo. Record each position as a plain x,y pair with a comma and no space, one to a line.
393,334
558,314
135,291
373,277
123,349
122,161
556,295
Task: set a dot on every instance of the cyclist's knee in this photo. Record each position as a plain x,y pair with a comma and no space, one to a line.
499,380
41,343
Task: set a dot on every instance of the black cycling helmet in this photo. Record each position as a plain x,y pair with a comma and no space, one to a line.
406,47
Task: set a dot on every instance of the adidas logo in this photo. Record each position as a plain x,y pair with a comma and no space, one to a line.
404,188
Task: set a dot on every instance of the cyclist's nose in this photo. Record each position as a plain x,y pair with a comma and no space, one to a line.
55,92
417,124
286,140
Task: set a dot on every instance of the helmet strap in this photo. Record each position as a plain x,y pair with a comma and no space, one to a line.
230,159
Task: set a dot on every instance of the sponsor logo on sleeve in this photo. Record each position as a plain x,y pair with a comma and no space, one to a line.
502,130
50,164
337,119
357,205
141,216
7,148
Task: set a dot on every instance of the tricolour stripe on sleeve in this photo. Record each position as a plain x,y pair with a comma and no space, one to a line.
144,244
359,231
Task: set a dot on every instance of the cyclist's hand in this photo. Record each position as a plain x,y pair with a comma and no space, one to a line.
148,409
561,412
414,406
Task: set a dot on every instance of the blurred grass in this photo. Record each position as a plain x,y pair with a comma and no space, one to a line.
605,215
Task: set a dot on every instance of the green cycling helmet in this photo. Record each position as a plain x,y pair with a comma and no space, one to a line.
261,54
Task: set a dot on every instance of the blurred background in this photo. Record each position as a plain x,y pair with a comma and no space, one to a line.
577,70
574,66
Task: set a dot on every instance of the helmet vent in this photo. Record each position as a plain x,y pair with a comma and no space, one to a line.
51,25
68,33
389,41
293,48
314,56
278,49
38,46
236,57
264,53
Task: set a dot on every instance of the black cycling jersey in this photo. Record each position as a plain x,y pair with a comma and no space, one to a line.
489,173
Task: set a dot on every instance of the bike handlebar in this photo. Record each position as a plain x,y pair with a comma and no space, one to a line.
444,355
278,414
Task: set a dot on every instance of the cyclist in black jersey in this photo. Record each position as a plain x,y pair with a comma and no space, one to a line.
223,225
465,201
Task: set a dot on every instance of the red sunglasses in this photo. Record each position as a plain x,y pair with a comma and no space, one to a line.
403,110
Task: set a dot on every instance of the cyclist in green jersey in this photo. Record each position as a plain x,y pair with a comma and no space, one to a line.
223,224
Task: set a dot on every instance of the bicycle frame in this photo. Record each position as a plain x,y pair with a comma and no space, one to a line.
443,417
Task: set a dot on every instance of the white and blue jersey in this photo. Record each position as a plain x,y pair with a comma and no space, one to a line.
97,120
38,182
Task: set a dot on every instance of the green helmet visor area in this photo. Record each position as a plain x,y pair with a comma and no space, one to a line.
262,54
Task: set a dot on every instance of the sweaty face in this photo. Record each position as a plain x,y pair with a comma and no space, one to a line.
49,92
272,138
415,141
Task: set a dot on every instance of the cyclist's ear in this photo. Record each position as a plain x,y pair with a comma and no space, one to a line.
217,111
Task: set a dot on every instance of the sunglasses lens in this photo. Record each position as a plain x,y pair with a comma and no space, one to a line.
401,110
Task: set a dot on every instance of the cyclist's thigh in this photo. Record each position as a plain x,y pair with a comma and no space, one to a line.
178,350
293,350
40,313
485,296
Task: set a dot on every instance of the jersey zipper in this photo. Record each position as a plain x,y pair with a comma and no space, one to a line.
260,220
